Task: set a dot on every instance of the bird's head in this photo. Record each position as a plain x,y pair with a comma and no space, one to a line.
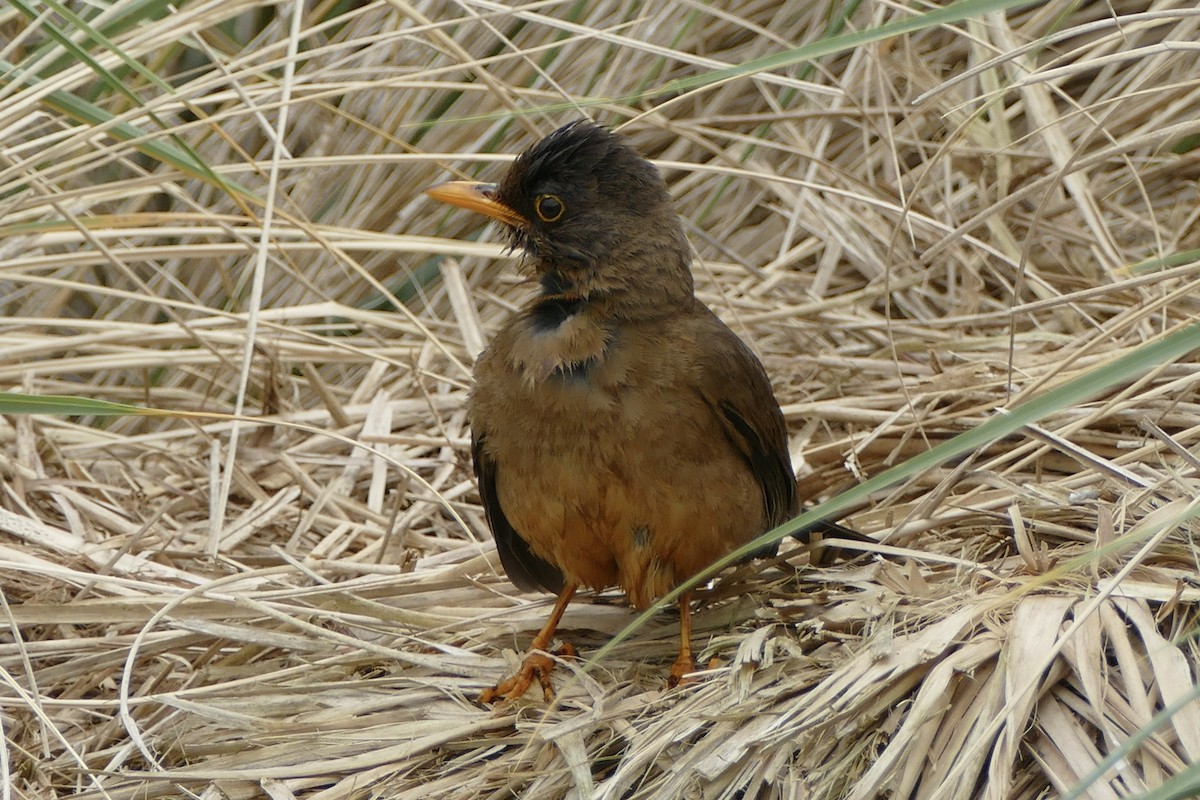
593,215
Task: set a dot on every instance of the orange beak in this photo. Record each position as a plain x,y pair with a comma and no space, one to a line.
478,197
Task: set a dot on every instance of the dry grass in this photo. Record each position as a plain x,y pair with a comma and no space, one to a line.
913,234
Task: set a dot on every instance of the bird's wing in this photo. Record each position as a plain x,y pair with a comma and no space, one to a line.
524,568
736,388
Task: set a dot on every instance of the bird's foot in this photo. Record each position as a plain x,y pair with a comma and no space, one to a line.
536,665
680,674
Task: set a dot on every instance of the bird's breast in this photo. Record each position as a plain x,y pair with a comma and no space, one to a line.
609,463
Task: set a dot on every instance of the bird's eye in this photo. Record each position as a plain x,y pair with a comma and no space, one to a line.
549,208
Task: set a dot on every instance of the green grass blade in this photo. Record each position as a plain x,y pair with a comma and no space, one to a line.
126,16
82,111
179,155
1165,262
66,405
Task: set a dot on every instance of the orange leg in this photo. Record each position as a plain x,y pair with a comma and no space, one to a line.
536,664
684,663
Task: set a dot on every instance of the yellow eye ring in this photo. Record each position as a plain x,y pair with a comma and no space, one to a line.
549,207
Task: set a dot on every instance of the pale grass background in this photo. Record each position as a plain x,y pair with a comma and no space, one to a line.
913,234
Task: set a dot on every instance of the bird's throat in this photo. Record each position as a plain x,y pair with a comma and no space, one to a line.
556,283
560,337
549,312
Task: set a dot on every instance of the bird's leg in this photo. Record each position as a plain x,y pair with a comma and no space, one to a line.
684,663
536,664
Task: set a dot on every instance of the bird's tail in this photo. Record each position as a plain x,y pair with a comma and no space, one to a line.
824,529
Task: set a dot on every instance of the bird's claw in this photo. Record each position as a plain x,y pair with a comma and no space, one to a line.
680,674
536,665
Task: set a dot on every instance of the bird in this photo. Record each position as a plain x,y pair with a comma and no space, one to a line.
621,434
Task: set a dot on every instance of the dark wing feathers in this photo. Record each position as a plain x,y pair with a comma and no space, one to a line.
736,387
769,463
755,426
524,568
